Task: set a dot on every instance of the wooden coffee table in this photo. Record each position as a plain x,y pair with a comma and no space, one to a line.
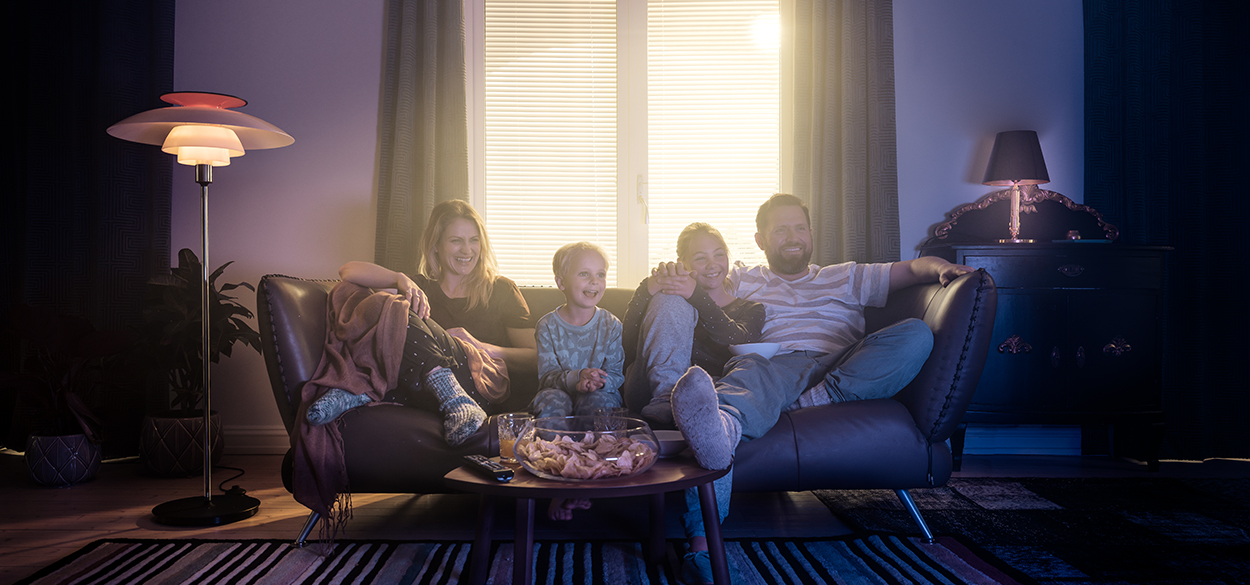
667,475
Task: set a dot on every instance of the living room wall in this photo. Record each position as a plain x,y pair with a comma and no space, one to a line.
964,71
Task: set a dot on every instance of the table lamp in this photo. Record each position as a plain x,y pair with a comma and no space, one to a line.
1016,160
202,130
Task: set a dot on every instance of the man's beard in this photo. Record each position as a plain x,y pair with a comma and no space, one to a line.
781,265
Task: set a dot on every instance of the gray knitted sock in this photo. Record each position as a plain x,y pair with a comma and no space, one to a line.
711,433
814,396
333,403
461,415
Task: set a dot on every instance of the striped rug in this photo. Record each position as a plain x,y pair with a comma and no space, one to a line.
870,559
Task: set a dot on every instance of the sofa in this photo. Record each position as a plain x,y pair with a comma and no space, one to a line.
899,443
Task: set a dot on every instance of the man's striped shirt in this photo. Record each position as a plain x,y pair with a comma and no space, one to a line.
822,311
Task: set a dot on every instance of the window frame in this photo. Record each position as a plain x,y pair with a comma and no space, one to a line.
631,264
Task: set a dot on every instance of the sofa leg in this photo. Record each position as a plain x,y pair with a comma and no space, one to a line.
915,514
302,539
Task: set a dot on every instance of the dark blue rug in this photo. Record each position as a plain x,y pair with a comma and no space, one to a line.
872,559
1089,530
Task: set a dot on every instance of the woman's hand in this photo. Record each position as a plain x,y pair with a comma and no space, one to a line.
413,294
371,275
591,379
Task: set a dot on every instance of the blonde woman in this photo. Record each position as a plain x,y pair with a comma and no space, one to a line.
457,284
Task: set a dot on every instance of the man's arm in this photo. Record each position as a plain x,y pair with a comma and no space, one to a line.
923,270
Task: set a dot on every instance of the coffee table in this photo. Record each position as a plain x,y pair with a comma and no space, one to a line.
667,475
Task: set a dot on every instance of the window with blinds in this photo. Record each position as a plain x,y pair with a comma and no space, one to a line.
572,147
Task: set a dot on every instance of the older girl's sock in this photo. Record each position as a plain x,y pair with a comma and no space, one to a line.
461,415
334,402
711,432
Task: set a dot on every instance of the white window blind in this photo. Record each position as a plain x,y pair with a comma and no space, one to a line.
713,132
550,131
554,136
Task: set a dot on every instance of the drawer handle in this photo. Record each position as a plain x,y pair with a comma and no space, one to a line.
1054,357
1118,347
1080,356
1014,345
1071,270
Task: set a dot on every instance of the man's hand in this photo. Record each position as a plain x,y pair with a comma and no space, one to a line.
924,270
950,272
591,379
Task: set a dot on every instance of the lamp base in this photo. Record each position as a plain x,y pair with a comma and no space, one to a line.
200,511
1016,241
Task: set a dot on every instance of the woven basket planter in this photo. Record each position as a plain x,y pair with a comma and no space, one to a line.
62,460
172,444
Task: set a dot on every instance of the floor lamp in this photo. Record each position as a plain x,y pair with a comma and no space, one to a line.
202,130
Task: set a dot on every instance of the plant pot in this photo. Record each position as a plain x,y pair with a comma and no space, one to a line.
62,460
172,444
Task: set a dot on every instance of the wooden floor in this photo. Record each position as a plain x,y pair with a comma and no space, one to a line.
39,525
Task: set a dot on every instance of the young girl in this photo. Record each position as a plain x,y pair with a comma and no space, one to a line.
693,322
693,293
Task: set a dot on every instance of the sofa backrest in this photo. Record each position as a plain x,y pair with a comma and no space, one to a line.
292,318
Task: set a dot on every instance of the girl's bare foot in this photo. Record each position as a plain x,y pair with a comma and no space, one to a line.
562,509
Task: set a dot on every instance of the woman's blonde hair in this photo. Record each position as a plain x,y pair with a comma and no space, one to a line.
480,283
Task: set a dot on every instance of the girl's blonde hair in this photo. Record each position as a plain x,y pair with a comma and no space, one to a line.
480,283
687,235
689,232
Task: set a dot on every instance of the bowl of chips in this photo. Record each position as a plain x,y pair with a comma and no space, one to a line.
587,448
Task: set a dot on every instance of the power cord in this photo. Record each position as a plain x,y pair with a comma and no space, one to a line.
234,490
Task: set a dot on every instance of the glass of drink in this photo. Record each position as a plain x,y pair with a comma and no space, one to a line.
510,426
611,419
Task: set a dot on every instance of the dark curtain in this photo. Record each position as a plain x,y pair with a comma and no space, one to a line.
86,216
423,150
846,161
1166,143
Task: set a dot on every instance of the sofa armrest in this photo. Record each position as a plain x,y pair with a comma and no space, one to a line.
961,316
291,313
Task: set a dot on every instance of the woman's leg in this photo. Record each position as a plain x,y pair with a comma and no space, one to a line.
430,361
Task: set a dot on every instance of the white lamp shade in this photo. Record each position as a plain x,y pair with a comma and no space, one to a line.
197,144
201,109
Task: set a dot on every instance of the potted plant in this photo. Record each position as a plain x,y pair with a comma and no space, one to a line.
65,371
172,442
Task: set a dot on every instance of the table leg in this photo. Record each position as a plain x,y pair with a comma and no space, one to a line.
523,550
655,546
479,560
711,528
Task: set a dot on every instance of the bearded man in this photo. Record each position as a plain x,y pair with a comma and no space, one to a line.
816,314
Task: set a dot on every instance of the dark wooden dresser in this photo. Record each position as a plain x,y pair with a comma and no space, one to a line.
1077,340
1078,333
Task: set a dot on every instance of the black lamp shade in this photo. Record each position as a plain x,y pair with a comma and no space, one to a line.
1016,159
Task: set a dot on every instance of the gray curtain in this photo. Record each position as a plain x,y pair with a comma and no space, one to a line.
423,150
846,164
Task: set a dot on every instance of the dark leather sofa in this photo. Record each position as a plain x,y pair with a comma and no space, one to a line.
897,443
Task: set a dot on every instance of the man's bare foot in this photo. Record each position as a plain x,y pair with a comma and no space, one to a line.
562,509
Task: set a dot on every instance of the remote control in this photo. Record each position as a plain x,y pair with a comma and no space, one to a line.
492,469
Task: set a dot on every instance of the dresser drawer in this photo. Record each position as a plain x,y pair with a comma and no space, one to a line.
1076,270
